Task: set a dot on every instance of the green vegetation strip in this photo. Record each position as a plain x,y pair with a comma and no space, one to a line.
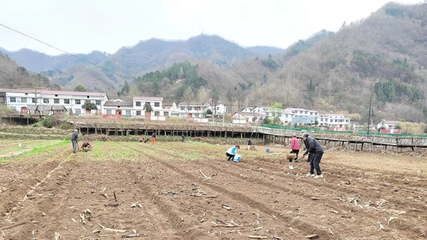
48,148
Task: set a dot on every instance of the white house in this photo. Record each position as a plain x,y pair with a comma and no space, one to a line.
21,100
73,100
335,121
155,103
193,110
302,116
244,117
118,107
260,112
219,109
287,116
170,109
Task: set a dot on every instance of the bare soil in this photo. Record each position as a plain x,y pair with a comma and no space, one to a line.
189,191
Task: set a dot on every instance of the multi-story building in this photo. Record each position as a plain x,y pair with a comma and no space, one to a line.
301,116
118,108
45,101
155,103
334,121
193,110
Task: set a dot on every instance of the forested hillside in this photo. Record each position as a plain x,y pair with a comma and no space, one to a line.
382,57
104,72
14,76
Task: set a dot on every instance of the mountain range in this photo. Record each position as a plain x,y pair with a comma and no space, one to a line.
377,63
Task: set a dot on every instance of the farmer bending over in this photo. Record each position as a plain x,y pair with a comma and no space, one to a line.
85,146
231,152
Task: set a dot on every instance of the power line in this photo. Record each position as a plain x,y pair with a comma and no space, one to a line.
71,54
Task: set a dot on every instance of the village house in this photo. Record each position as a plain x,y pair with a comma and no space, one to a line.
335,122
301,116
26,100
193,110
117,108
155,103
170,109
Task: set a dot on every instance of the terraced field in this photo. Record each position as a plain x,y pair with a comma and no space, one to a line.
188,190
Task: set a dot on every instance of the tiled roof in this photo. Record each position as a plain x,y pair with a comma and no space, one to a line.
167,103
118,104
53,92
148,98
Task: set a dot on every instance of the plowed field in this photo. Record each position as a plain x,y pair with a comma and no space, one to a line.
189,191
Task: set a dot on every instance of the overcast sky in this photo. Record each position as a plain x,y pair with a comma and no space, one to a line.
81,26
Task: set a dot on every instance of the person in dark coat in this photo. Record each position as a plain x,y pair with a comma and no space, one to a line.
249,144
314,148
74,138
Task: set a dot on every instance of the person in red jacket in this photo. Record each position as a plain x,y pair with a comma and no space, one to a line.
295,147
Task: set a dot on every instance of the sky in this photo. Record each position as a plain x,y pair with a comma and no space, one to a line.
82,26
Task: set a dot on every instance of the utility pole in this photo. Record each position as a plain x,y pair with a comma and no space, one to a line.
369,114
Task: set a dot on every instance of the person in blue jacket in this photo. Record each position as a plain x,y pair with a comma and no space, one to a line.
231,152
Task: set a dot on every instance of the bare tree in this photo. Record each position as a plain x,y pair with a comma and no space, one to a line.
188,96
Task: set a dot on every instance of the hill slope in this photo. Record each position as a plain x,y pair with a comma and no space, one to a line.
384,56
382,59
131,62
14,76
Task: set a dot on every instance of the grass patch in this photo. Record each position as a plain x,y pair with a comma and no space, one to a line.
47,148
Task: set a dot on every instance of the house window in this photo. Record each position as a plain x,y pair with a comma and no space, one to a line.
23,100
34,100
56,95
166,114
128,112
12,99
66,101
138,104
77,101
182,108
45,100
190,108
156,104
156,113
56,101
78,111
98,102
138,113
109,112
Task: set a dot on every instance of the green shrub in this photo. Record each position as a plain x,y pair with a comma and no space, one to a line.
66,125
48,122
